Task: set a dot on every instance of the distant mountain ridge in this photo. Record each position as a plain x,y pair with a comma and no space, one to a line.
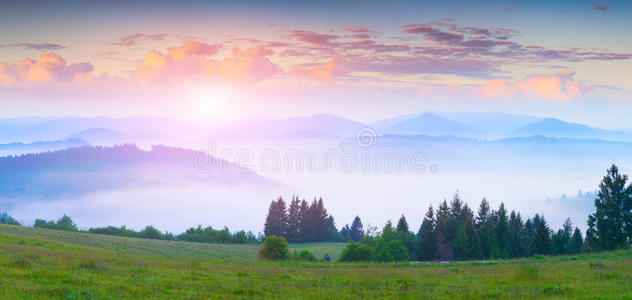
429,124
90,168
552,127
40,146
39,129
316,125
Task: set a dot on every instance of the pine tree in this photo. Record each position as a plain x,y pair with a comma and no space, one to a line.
613,211
446,231
542,237
316,227
294,221
484,229
517,235
502,232
356,232
591,243
332,232
302,212
402,225
561,239
276,221
461,245
576,242
427,238
472,236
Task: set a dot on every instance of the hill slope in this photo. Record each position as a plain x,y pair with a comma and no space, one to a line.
85,169
40,268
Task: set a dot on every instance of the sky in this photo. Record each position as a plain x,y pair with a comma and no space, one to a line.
225,61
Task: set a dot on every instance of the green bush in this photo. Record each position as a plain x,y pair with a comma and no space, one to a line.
356,251
304,255
7,219
64,223
274,248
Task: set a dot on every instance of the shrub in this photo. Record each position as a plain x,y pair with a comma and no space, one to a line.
151,232
274,248
64,223
355,251
304,255
7,219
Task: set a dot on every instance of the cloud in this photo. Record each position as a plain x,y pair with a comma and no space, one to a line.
560,86
48,68
600,6
324,72
192,60
356,29
135,38
35,46
452,40
313,37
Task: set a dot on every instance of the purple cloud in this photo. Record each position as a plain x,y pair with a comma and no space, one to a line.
135,38
36,46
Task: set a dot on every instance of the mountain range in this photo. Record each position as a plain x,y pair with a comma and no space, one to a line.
152,130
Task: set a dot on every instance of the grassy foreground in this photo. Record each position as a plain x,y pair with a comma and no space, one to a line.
38,264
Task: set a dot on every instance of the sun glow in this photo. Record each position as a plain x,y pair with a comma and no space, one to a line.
210,102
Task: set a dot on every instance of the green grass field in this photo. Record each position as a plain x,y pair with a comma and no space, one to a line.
38,263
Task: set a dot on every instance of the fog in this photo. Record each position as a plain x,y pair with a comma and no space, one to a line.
528,178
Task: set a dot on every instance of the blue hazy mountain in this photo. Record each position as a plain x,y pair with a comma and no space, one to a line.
41,146
38,129
491,123
102,136
319,125
551,127
487,124
87,169
429,124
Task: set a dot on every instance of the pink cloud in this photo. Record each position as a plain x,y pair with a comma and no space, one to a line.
48,68
192,60
324,72
560,86
313,37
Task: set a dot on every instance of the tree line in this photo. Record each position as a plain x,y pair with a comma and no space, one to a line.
197,234
456,232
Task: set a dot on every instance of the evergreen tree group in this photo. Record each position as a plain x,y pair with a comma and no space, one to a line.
455,232
301,222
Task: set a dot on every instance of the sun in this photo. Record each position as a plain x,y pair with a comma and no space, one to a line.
209,101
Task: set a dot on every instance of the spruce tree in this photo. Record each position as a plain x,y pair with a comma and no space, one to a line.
294,221
517,235
613,215
576,242
446,231
427,238
276,220
502,232
542,237
356,232
402,225
461,245
484,228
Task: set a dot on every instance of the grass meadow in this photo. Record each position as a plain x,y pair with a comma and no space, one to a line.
38,263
